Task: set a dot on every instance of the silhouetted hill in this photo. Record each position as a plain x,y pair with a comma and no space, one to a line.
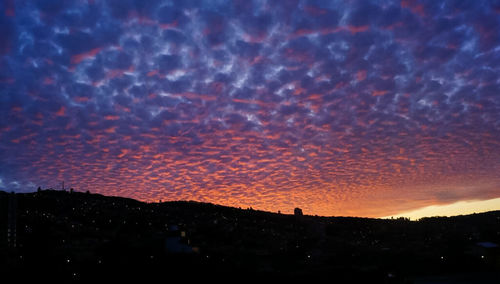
82,236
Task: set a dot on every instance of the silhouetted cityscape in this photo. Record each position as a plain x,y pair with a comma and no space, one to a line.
68,235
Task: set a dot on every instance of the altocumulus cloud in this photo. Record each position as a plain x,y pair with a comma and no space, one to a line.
340,107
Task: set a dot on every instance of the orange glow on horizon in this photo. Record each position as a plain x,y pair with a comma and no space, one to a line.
454,209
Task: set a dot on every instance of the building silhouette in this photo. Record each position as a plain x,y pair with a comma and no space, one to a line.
297,212
12,221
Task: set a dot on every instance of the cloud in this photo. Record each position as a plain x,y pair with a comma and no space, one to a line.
340,108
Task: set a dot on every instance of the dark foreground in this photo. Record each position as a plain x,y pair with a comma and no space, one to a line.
83,237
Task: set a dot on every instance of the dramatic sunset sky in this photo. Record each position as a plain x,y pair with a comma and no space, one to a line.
360,108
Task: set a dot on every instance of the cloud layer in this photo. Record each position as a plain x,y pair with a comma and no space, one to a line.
338,107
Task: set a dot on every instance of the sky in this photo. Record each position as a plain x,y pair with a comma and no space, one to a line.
350,108
461,207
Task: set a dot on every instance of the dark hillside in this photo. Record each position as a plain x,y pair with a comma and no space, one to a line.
82,236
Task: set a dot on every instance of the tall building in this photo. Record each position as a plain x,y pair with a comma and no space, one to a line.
12,221
297,212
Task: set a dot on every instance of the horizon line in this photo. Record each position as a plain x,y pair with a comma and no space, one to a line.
441,210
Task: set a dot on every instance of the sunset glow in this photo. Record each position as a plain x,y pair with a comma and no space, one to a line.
454,209
348,108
